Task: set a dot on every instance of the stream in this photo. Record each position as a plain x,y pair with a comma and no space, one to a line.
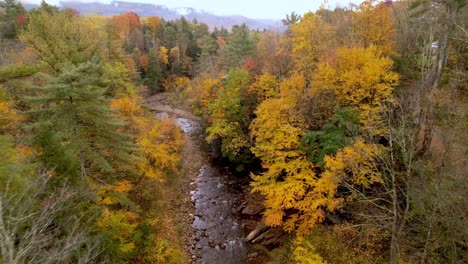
218,235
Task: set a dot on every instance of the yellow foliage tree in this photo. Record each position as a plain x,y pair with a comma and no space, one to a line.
120,226
290,182
311,38
160,141
163,54
161,147
266,86
153,23
356,163
374,25
362,78
8,116
113,194
304,252
203,92
129,110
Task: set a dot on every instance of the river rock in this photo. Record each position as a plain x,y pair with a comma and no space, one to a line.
252,209
214,228
256,232
253,255
211,243
161,115
270,238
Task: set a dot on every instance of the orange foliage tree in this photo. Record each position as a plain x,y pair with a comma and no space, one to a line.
126,24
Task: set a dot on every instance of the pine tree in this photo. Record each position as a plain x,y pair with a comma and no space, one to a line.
207,55
153,74
61,38
240,44
12,18
333,136
14,71
74,126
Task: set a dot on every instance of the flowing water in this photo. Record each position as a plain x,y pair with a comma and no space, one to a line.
187,125
219,236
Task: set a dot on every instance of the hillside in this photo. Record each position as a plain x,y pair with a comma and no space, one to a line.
143,9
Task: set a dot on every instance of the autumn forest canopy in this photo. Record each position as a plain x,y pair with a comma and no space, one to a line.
350,126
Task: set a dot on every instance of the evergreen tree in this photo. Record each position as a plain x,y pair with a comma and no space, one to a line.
73,125
61,38
12,18
153,74
45,7
206,61
291,19
240,45
333,136
14,71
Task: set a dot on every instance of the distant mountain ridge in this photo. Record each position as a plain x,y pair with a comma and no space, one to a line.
144,9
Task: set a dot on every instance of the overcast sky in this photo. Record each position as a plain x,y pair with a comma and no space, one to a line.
275,9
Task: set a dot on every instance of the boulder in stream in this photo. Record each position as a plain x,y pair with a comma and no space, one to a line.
252,209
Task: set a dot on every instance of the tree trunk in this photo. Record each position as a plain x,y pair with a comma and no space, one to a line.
431,83
394,250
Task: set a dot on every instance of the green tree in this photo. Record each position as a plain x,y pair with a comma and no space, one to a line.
240,45
73,125
45,7
12,17
14,71
207,57
61,38
291,19
229,116
333,136
153,74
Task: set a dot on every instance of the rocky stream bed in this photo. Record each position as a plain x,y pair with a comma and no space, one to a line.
223,218
226,223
